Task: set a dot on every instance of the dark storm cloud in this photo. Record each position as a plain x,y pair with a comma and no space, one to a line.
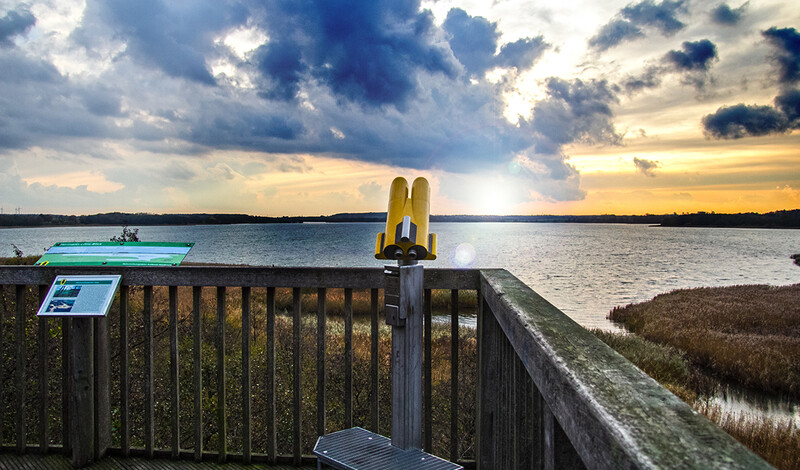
693,62
787,40
374,81
281,61
651,78
38,105
368,52
15,23
789,104
175,37
573,112
628,25
741,120
613,33
645,166
725,15
694,56
474,42
661,16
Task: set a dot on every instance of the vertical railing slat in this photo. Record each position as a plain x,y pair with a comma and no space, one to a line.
374,399
149,434
20,376
222,427
348,358
321,369
44,354
173,371
271,428
197,353
427,417
246,392
124,372
297,395
486,397
66,383
454,346
3,344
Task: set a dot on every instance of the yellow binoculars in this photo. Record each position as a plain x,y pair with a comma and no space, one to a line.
406,235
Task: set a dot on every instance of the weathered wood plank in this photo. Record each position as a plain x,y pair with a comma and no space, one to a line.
488,378
321,361
407,362
43,376
124,372
3,345
82,398
373,370
20,372
222,426
238,276
102,387
297,436
197,356
66,382
175,428
614,415
454,347
427,371
270,379
149,433
348,358
247,434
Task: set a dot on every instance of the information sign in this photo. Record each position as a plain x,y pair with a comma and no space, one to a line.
115,254
80,296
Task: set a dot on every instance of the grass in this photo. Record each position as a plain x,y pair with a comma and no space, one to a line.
691,341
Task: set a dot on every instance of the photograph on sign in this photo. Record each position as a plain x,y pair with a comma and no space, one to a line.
115,254
78,296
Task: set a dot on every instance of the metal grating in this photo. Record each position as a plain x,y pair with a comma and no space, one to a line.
356,448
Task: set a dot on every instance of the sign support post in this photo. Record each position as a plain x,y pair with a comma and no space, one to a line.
86,300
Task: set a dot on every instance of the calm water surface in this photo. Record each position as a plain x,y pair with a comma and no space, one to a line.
583,269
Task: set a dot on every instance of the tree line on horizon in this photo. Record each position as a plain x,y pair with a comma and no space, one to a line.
776,219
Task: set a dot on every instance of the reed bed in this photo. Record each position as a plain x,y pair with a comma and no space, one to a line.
747,334
694,340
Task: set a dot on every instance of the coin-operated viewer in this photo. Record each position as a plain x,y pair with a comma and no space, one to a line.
406,237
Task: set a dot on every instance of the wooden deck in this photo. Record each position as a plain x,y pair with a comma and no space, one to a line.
59,462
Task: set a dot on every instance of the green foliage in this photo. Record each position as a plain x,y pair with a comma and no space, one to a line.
127,235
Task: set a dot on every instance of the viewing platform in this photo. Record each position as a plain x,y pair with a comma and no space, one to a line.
250,365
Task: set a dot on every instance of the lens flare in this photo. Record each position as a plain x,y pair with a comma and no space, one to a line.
463,256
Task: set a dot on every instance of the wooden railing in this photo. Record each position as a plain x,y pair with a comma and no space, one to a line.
549,394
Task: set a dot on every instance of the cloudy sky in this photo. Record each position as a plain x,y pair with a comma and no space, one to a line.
308,107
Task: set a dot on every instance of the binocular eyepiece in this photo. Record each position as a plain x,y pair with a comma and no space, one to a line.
406,236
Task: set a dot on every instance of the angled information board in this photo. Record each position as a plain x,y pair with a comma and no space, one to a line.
115,254
80,296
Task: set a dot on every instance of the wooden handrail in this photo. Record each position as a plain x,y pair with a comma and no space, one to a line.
589,404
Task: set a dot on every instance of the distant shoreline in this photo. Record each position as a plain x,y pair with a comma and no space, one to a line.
778,219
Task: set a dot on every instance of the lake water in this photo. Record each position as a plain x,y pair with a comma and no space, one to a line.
583,269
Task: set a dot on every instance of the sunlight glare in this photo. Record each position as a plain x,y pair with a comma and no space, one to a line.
463,256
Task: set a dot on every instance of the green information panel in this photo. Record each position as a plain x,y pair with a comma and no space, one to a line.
79,296
115,254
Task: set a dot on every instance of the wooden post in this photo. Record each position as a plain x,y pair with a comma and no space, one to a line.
407,362
102,388
82,399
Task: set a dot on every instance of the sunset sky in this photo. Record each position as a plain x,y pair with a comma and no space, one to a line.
310,107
